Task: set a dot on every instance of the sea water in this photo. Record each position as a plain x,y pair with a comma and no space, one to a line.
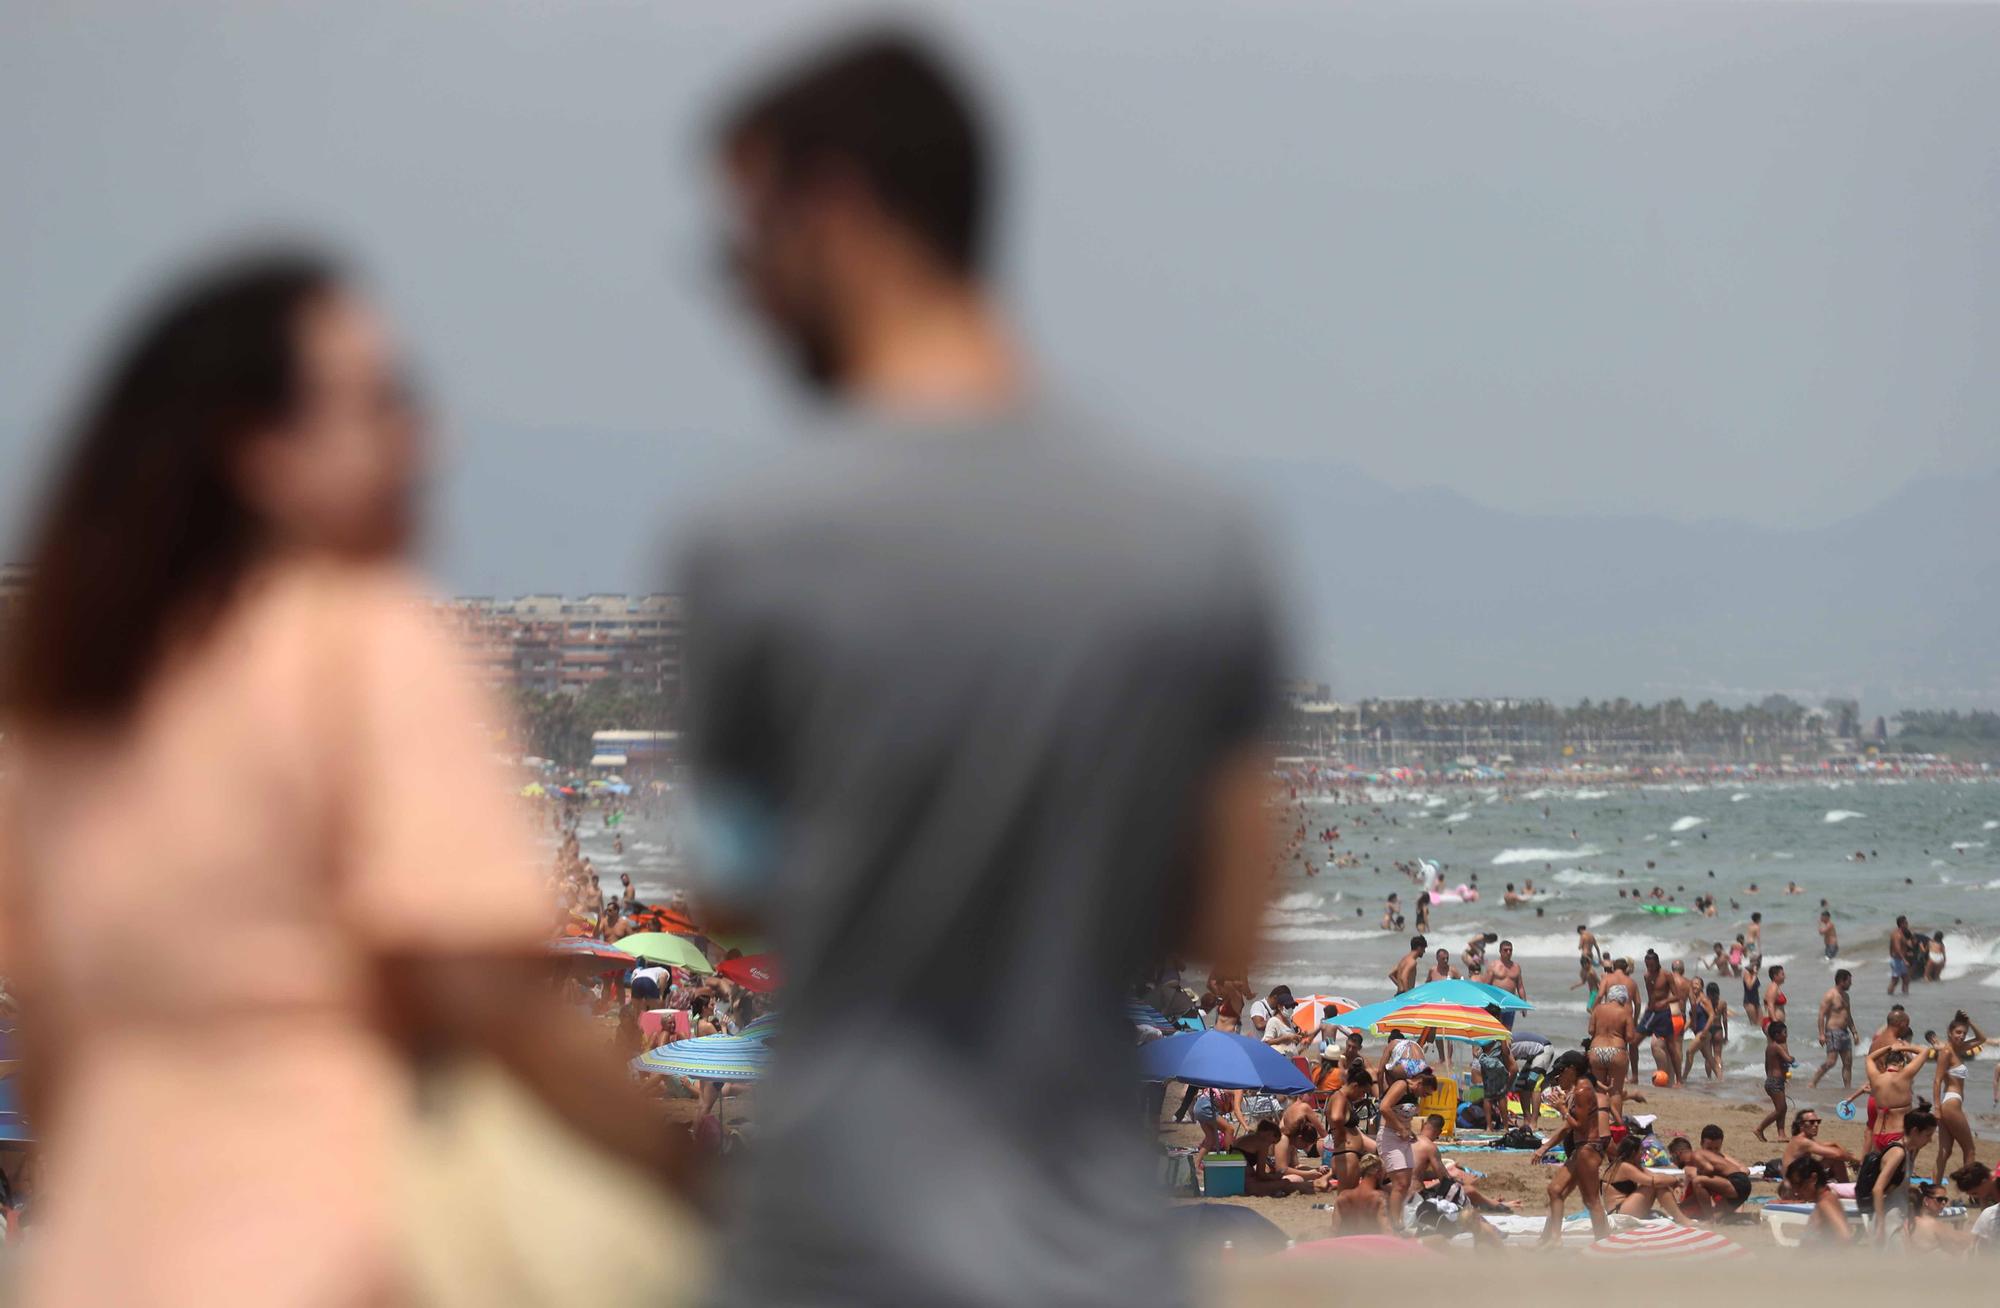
1928,850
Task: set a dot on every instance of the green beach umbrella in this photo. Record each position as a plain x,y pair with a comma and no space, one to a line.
661,947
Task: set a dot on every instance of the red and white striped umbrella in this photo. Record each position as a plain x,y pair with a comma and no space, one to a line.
1315,1009
1665,1241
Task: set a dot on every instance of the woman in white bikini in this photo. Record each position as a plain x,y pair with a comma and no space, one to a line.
1963,1040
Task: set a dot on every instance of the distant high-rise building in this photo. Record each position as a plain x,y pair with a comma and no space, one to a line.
554,644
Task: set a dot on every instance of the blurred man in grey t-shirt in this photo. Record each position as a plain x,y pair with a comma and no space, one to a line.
973,695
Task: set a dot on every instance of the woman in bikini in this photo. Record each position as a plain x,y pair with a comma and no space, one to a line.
1963,1040
1582,1132
1612,1037
1638,1190
1344,1120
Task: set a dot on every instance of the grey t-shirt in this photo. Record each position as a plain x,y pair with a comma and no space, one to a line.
976,678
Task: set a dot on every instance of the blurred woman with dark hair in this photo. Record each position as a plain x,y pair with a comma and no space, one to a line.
258,868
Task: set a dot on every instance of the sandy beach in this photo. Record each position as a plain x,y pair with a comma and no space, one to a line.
1511,1177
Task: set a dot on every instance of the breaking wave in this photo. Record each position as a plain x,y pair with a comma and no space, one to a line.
1536,855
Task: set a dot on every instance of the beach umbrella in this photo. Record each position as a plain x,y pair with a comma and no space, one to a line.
1472,994
1385,1014
757,973
1314,1010
660,947
1147,1015
1454,1020
1665,1240
761,1029
709,1058
1210,1226
1224,1060
593,957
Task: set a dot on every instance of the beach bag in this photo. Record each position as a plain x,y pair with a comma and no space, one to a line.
1864,1182
1518,1137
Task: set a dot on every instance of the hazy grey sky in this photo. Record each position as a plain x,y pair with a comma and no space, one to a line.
1680,259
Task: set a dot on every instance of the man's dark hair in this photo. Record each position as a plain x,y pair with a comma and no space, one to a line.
1711,1132
1972,1176
1842,975
887,108
1419,944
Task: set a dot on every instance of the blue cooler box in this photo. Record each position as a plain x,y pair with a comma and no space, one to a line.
1222,1175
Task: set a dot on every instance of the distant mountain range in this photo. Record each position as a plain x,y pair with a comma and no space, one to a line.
1425,592
1413,592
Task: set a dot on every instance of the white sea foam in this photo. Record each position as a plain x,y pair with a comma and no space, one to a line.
1652,836
1784,854
1739,797
1991,978
1841,815
1463,815
1297,933
1990,824
1576,876
1532,854
1962,845
1686,823
1673,844
1436,801
1623,944
1590,794
1296,901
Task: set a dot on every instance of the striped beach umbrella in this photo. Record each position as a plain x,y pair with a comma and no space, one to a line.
709,1058
1665,1241
1316,1009
1147,1015
1454,1020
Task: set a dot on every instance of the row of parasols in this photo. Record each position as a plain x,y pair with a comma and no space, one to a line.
1448,1010
738,1057
1455,1010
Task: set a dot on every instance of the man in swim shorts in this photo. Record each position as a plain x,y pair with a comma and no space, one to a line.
1901,942
1836,1029
1722,1180
1829,937
1657,1022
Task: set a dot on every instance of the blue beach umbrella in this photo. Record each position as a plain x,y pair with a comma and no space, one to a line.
708,1058
1147,1015
1467,994
1224,1060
